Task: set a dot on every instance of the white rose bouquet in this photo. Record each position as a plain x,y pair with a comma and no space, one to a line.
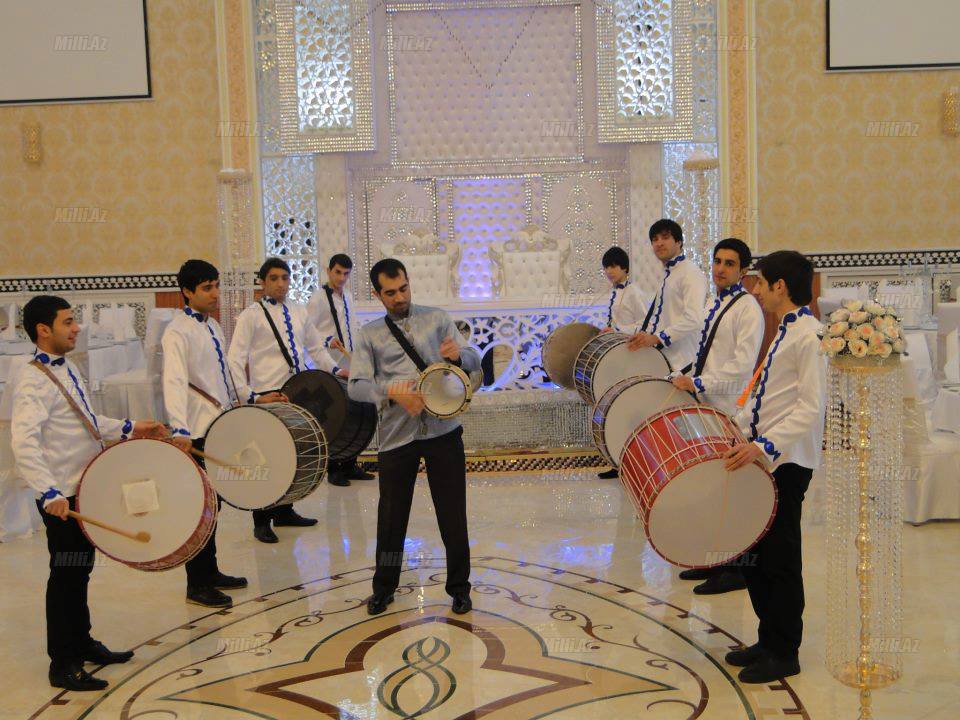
862,329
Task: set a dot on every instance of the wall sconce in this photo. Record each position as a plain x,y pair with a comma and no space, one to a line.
951,112
32,151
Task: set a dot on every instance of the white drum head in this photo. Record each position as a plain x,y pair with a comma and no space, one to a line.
619,364
255,439
632,406
443,391
695,522
179,492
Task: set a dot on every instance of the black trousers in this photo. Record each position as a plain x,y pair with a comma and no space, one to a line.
71,562
202,569
447,476
775,577
264,517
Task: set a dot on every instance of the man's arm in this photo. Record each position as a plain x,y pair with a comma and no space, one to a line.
318,315
318,348
693,296
635,306
176,381
469,357
31,408
238,356
363,385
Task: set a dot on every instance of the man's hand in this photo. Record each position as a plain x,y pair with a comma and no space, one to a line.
338,346
606,330
343,373
405,393
742,454
184,443
684,382
449,350
271,397
642,340
58,508
149,429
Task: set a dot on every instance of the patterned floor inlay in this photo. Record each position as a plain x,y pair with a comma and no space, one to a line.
540,642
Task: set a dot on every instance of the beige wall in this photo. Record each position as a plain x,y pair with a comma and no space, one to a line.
824,183
148,168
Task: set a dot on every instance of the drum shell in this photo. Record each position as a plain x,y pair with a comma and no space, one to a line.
560,350
643,361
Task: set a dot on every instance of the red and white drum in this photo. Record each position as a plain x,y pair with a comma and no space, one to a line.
626,406
604,361
152,486
696,514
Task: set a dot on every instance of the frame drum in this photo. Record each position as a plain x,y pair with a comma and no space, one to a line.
446,390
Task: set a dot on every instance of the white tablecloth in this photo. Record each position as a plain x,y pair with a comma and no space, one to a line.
132,395
946,410
931,482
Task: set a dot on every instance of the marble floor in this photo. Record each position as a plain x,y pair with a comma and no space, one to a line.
574,617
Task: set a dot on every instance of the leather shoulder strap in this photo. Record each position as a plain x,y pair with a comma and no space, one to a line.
409,349
81,415
276,334
702,357
333,313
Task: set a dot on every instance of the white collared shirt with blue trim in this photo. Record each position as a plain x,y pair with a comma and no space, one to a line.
194,352
627,307
732,357
785,416
318,310
255,358
51,445
678,310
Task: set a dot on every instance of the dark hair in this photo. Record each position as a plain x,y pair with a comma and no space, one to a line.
41,310
391,267
667,225
739,247
194,272
616,256
342,260
269,264
794,269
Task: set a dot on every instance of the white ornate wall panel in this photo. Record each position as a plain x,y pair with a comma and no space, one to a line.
324,75
484,83
330,189
646,207
694,202
644,76
398,209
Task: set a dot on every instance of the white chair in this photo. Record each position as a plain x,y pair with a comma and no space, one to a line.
532,265
833,297
156,323
432,265
906,298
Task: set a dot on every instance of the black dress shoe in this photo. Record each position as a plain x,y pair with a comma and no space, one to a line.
462,604
745,656
75,678
378,603
696,574
769,668
607,474
208,597
228,582
358,473
338,479
723,582
292,519
98,653
265,534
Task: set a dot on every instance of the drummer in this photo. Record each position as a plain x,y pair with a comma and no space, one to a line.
675,316
272,341
627,307
784,422
726,357
383,372
55,434
197,387
332,311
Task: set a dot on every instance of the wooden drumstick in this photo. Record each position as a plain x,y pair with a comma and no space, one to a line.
141,536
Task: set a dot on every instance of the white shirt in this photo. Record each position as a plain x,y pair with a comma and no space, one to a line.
678,311
627,308
785,417
51,445
194,352
318,310
732,357
254,347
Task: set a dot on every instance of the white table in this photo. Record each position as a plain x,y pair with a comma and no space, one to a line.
132,394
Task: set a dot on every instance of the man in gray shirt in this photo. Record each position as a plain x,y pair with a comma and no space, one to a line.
383,373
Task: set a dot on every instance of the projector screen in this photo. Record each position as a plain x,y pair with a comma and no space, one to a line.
892,34
54,51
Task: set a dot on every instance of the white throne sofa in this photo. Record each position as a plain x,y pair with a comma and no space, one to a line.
432,265
532,265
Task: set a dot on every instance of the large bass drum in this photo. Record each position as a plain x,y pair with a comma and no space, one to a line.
271,454
348,425
151,486
605,360
559,352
